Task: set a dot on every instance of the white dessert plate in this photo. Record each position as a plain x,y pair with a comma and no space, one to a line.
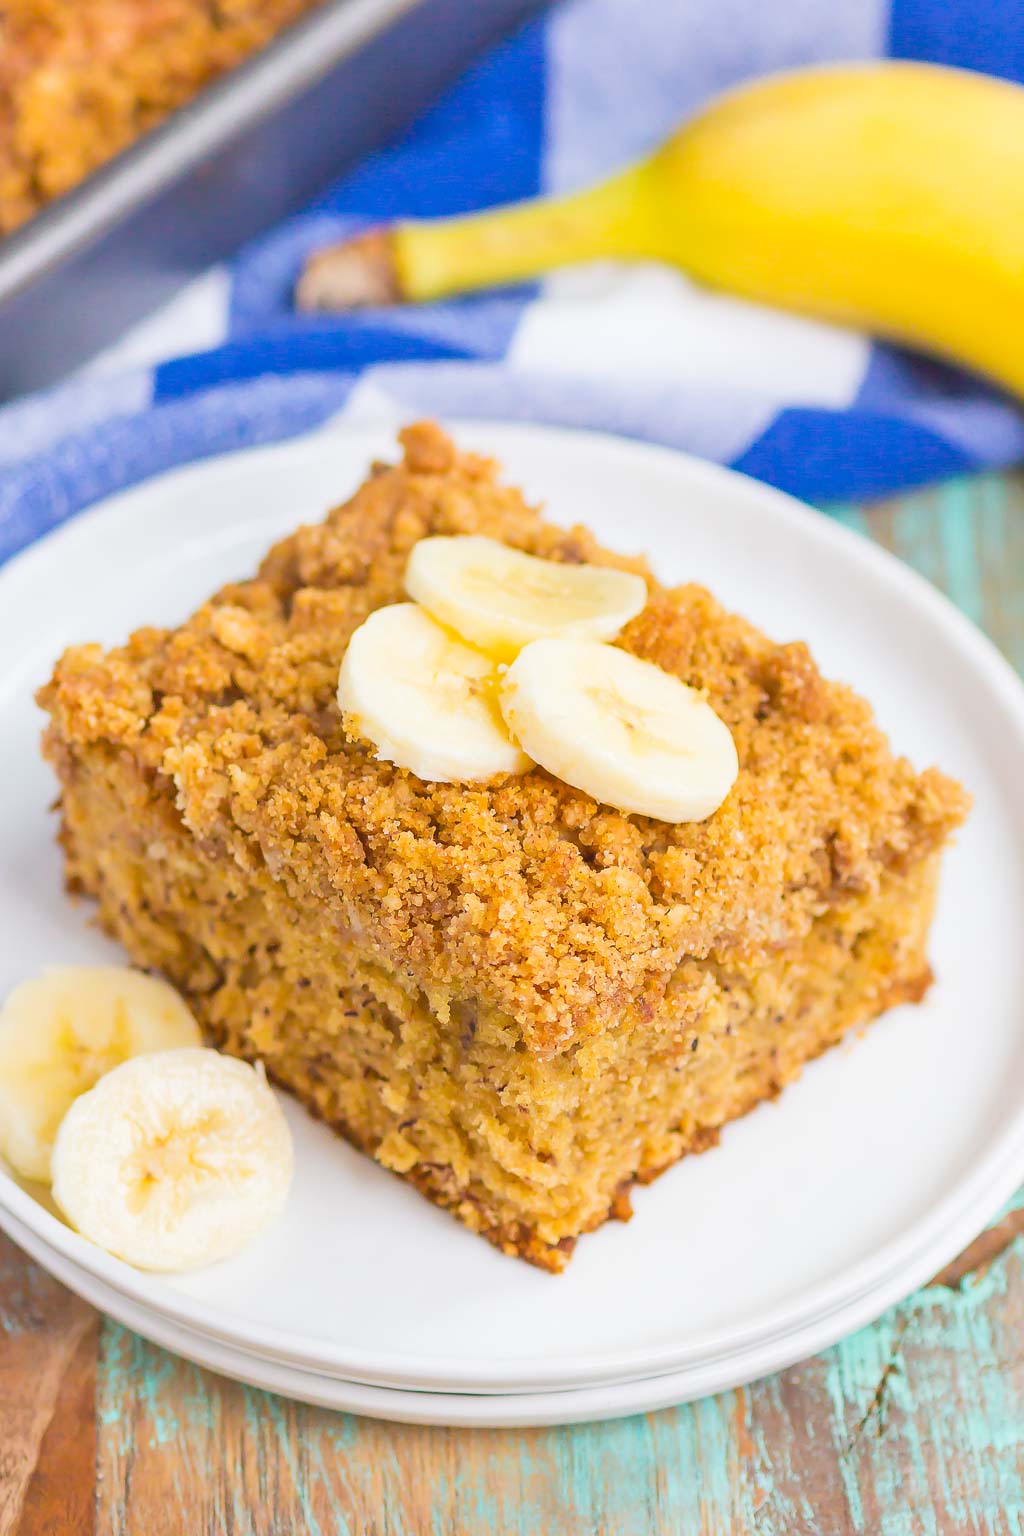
808,1204
607,1400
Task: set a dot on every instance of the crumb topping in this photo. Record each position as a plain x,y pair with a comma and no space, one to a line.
522,894
81,79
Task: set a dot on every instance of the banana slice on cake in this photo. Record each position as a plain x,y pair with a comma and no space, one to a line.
500,598
173,1160
60,1032
621,729
426,700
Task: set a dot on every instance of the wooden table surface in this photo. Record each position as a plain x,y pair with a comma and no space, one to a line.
915,1425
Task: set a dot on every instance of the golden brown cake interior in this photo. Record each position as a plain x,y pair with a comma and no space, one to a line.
520,1000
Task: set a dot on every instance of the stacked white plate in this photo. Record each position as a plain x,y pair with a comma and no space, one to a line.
815,1213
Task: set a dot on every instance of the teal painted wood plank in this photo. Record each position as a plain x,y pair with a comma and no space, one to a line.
967,537
915,1425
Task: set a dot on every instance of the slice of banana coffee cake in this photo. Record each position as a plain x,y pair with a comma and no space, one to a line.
522,871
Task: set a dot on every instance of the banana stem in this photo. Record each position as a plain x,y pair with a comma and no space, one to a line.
617,217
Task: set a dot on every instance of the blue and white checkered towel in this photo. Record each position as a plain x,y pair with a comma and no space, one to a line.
815,409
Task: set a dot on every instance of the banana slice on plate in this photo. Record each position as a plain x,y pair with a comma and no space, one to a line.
621,729
500,598
60,1032
426,700
173,1160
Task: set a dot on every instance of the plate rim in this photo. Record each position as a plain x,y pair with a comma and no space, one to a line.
535,1408
447,1372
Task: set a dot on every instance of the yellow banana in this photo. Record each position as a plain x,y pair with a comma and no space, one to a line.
886,196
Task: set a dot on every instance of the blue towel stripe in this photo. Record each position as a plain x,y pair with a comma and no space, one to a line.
572,95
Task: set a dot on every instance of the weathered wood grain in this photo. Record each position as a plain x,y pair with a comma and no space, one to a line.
47,1422
915,1424
977,1256
913,1427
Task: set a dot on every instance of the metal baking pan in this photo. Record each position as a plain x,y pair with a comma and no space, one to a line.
247,151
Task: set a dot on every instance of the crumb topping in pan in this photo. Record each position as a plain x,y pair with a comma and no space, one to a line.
80,80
